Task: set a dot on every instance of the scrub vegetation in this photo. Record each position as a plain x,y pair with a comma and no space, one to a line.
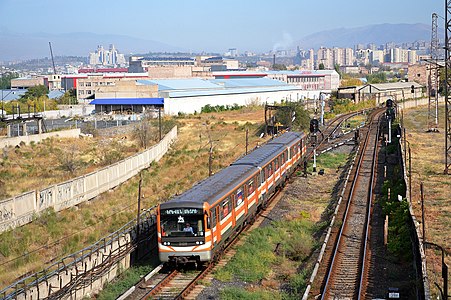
31,247
427,151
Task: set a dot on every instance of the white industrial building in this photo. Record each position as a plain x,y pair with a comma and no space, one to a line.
190,95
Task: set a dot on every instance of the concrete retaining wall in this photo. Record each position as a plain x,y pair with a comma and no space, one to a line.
20,209
27,139
60,283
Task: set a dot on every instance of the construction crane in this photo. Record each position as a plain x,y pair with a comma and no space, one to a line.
53,61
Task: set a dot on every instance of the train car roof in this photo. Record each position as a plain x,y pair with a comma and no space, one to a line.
261,156
211,189
287,138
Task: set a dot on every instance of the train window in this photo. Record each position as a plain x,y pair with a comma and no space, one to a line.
276,163
262,176
239,196
213,217
174,221
251,186
270,169
283,157
225,208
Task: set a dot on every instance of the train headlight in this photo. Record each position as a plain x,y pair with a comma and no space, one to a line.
197,243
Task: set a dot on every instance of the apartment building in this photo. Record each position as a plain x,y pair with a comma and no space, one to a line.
87,85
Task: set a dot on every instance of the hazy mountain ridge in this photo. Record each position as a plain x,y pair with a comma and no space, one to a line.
17,46
377,34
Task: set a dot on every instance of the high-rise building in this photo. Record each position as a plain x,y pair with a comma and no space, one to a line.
110,57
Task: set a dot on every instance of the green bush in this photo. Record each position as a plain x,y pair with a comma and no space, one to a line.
208,108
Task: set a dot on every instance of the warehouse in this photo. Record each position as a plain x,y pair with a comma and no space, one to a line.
190,95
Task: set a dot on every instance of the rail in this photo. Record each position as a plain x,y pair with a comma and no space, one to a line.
328,283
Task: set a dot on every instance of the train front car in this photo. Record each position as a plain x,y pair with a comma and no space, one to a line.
182,232
193,226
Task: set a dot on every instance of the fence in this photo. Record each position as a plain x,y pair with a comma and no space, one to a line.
19,210
32,127
85,272
27,139
423,291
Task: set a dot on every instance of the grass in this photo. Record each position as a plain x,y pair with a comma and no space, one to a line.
54,235
427,166
123,282
54,160
256,260
330,160
233,293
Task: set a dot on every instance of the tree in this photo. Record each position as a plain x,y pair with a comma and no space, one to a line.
69,97
337,69
70,161
279,67
350,82
34,92
5,80
302,118
379,77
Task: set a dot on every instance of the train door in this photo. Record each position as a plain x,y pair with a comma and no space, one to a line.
215,229
232,198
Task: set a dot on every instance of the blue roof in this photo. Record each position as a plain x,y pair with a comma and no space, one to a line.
128,101
11,95
231,91
181,84
249,82
55,94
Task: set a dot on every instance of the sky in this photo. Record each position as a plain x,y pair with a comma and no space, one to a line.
211,25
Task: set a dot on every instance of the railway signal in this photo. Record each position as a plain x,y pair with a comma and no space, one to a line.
314,129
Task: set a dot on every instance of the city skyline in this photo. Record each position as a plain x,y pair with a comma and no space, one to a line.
201,25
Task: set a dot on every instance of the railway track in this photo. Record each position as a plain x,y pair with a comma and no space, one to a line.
175,284
345,276
329,132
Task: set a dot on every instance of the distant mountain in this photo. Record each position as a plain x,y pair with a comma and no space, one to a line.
377,34
15,46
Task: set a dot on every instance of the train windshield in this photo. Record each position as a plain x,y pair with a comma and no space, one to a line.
182,222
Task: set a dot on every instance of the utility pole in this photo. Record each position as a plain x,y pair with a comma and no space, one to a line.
139,203
422,211
247,139
447,88
210,152
210,159
159,120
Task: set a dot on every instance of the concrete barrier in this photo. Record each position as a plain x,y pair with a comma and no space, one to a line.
36,138
20,209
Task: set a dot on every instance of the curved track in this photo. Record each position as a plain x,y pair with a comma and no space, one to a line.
345,276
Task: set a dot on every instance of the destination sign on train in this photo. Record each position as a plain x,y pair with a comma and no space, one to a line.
181,211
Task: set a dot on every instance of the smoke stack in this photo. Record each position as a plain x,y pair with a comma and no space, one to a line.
274,61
